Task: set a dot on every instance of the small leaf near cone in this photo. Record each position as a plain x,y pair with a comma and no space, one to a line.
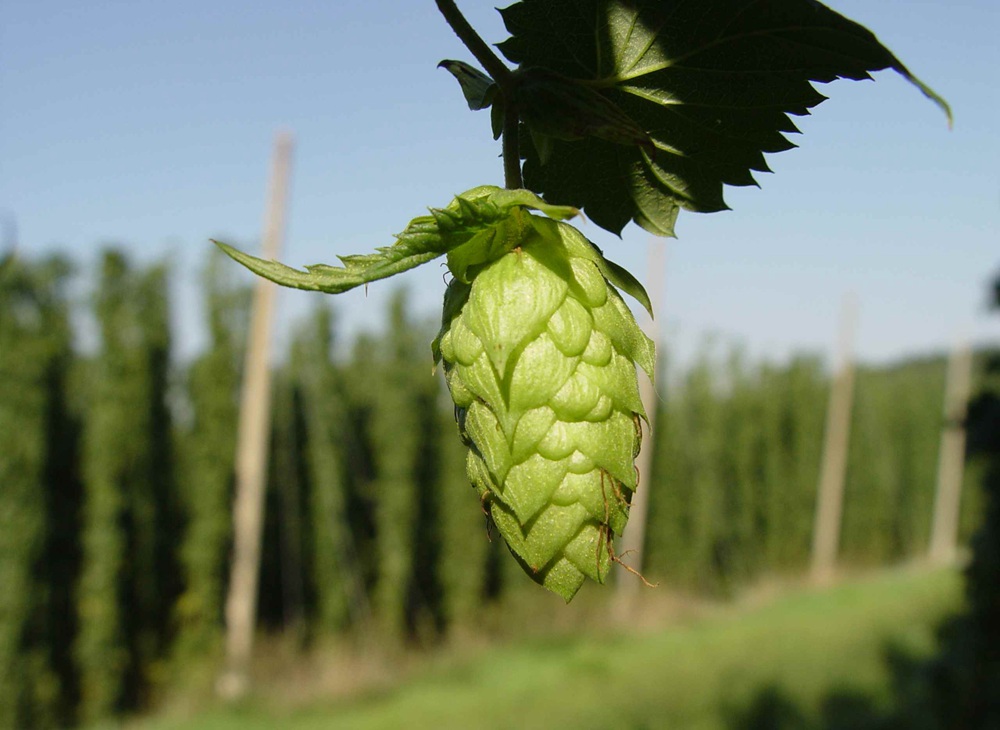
475,215
478,88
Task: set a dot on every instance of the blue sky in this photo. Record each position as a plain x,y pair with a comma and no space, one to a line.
150,125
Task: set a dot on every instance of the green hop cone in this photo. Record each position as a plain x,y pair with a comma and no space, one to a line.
540,354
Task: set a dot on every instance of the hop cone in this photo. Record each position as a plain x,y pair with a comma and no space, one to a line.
539,353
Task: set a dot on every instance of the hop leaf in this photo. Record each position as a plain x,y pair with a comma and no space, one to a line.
711,84
553,106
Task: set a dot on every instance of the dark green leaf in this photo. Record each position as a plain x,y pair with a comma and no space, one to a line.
711,82
555,106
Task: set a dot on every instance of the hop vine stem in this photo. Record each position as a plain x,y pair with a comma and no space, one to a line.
504,80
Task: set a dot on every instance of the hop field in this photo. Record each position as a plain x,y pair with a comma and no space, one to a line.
812,658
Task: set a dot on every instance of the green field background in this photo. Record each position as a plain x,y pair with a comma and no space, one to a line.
116,466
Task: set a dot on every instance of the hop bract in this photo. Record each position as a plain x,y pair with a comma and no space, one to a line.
540,353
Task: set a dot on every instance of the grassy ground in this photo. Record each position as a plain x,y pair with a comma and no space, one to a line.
793,654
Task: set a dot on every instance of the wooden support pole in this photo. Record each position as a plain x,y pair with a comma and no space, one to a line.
830,492
951,458
634,538
252,444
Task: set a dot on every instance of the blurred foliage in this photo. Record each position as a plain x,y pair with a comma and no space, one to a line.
207,456
129,577
735,470
397,398
39,496
766,666
117,472
965,677
337,585
892,464
958,686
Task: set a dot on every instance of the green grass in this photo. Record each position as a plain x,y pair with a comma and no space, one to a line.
802,647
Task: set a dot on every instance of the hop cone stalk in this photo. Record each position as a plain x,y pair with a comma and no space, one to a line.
540,353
